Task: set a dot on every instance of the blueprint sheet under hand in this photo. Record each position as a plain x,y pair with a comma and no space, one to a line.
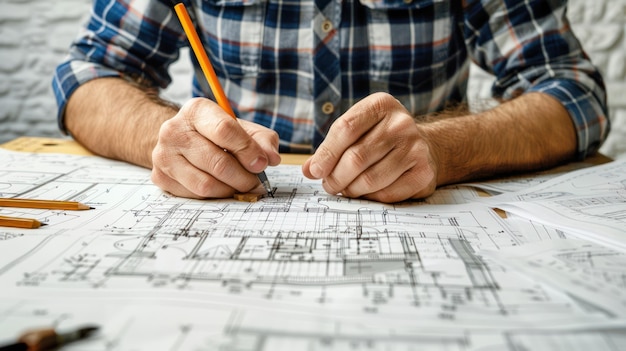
302,271
589,203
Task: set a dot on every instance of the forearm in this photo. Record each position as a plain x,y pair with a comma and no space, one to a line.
531,132
115,119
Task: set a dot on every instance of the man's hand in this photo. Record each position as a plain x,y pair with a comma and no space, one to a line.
375,151
202,152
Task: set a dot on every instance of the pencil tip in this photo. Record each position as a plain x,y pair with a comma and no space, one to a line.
42,224
86,331
78,334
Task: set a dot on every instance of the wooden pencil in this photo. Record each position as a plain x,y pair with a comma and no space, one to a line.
209,74
43,204
15,222
203,59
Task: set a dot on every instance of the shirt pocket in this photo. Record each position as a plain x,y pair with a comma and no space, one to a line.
408,41
233,35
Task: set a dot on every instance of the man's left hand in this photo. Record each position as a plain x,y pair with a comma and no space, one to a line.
375,151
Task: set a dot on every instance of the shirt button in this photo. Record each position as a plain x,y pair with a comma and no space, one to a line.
328,108
327,26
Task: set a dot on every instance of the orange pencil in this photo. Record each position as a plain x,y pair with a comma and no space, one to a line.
209,73
26,223
203,59
43,204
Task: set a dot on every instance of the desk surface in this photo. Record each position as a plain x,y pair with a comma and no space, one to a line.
70,146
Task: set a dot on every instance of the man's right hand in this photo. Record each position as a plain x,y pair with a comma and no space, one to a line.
203,152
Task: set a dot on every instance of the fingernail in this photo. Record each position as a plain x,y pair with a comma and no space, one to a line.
316,170
258,163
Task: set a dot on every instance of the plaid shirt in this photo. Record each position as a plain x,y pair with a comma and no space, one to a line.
297,65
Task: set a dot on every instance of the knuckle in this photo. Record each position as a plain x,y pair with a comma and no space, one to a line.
369,181
193,112
157,156
191,107
325,155
171,133
167,126
274,138
380,101
348,124
158,177
366,184
387,195
225,128
402,123
404,140
357,157
167,130
188,112
220,165
424,182
245,145
159,159
404,145
202,186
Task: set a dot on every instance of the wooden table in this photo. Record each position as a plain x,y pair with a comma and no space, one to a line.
70,146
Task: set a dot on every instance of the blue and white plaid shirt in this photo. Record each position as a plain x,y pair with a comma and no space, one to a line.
297,65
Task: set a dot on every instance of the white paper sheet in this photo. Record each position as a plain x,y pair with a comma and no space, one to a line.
588,271
304,268
589,203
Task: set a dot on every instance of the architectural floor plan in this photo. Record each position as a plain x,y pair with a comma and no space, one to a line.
303,270
589,203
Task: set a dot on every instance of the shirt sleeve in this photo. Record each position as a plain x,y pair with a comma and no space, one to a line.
530,47
137,40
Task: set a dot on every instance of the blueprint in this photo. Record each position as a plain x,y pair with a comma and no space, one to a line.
589,203
303,270
591,272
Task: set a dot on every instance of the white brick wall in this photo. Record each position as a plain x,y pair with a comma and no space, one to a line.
35,34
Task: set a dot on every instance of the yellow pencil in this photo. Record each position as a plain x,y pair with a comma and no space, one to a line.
15,222
203,59
209,74
44,204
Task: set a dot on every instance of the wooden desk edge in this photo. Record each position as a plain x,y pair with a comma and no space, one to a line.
70,146
46,145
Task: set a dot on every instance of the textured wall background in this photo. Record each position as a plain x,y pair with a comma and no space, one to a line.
35,35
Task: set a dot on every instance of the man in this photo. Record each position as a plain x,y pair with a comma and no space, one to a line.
359,82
